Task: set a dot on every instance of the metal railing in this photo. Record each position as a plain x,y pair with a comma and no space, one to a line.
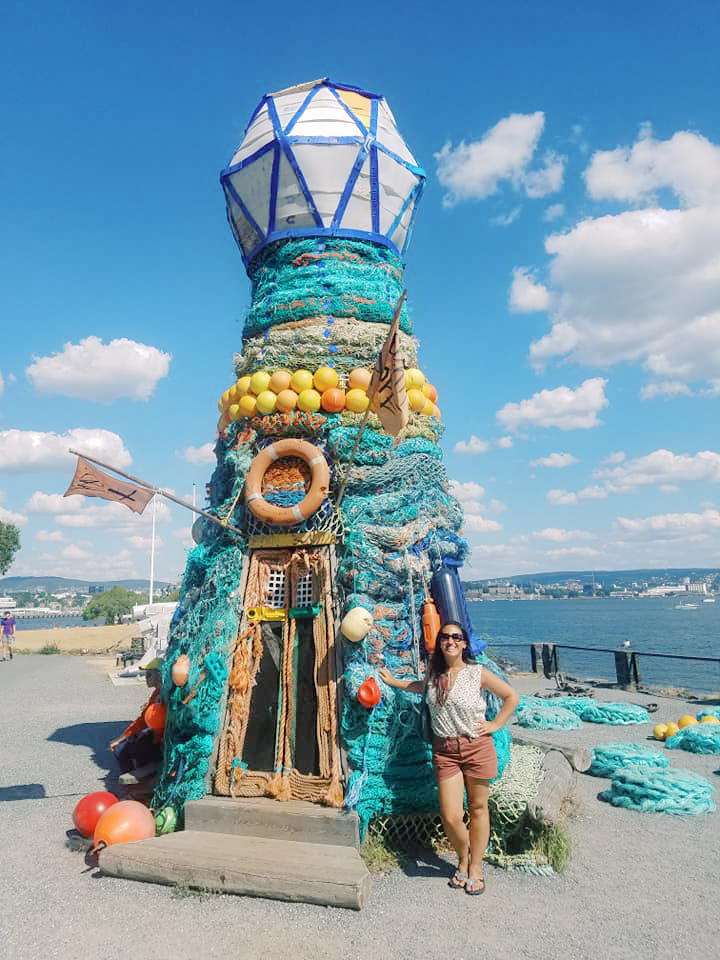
546,656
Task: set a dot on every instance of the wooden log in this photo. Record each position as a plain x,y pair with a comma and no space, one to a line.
579,758
556,786
250,866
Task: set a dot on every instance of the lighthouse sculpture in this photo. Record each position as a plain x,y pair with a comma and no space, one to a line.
335,529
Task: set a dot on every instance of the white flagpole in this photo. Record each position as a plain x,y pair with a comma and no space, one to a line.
152,555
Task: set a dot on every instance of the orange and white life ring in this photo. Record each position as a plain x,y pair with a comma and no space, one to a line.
319,482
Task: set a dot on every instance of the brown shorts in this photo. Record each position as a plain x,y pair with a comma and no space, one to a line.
472,756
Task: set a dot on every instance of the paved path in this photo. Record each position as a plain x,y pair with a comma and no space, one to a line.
640,886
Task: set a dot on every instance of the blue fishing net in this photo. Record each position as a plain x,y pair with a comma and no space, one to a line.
610,757
648,790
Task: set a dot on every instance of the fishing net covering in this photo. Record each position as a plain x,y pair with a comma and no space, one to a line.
703,738
512,833
543,714
648,790
322,301
615,756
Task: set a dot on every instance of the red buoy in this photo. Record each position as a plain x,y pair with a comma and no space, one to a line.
88,811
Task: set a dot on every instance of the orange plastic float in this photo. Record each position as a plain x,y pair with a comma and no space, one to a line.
155,716
123,822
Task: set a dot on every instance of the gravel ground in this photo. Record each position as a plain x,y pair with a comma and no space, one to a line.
638,885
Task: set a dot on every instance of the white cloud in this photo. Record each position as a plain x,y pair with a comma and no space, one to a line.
480,524
497,506
506,219
11,516
143,543
573,553
616,457
565,498
554,212
671,526
642,286
473,171
73,552
526,294
466,491
661,468
80,512
687,164
505,442
563,407
93,370
473,445
50,536
202,454
557,535
76,563
665,388
555,461
25,451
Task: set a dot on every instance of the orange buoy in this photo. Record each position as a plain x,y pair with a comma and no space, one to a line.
369,693
430,624
124,822
155,716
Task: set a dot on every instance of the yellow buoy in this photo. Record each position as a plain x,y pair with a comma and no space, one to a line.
414,378
359,379
686,720
242,386
672,729
308,401
247,405
287,400
266,401
325,378
301,380
356,400
709,719
416,399
660,731
259,381
234,412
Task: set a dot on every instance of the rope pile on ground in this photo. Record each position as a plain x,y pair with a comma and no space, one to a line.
543,716
647,790
703,738
610,757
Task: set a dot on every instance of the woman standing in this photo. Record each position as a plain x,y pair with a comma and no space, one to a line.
464,757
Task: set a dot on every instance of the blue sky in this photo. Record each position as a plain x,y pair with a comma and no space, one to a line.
563,278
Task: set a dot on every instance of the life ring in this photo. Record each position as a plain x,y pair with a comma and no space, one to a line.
319,482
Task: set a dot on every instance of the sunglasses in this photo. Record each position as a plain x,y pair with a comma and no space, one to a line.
451,636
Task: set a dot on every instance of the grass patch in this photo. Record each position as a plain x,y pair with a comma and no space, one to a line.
378,857
553,843
49,649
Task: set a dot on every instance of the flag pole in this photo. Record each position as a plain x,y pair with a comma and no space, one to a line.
364,421
152,556
163,493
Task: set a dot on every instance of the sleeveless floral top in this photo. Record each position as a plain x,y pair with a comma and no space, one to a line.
464,707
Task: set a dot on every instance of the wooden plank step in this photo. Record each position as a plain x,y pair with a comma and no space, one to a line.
295,820
578,757
250,866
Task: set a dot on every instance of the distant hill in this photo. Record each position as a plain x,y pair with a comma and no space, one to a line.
623,578
64,585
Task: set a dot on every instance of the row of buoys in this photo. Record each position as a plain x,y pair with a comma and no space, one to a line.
282,391
108,821
663,731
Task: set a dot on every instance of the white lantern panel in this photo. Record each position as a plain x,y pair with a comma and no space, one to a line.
291,208
396,185
358,213
388,135
325,117
360,105
252,185
245,233
288,104
400,235
258,135
326,168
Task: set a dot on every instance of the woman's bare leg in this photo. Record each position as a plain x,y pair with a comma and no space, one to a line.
451,791
477,791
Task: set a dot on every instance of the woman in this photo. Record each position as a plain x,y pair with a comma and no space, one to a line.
463,751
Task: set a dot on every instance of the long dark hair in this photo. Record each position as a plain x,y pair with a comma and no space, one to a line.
438,666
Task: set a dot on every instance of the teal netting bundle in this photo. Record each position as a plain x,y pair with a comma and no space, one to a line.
544,716
617,714
708,713
610,757
703,738
297,280
204,627
648,790
576,705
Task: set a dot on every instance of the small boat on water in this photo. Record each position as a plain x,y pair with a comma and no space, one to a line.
686,606
709,600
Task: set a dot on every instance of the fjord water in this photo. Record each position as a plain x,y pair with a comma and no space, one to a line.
649,625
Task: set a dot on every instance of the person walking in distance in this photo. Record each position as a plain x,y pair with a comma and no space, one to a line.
8,635
464,757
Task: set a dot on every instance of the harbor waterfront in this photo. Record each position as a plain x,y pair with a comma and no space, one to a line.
633,625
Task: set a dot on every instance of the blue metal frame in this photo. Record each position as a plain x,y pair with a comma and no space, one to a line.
283,143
